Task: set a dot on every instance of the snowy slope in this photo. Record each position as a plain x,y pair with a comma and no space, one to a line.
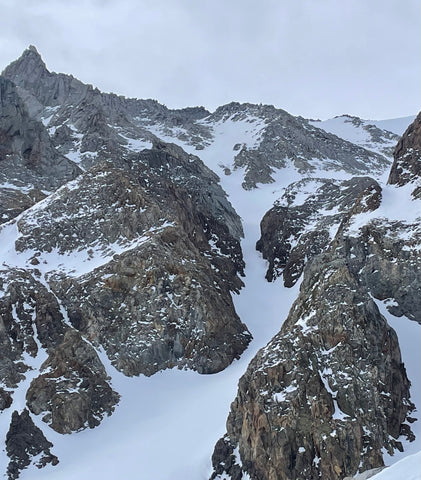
166,426
175,413
395,125
379,137
408,468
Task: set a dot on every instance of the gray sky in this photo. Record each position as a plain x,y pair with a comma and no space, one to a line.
315,58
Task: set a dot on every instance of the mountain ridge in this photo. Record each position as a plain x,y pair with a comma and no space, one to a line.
136,264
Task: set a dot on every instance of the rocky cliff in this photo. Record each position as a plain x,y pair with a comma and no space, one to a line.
304,221
30,165
406,166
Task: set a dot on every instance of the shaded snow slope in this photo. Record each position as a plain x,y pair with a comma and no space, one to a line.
364,133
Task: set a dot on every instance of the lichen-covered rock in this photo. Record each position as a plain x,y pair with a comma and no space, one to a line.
72,392
24,443
327,393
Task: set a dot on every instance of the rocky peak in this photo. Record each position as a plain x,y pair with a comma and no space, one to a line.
239,111
29,65
30,73
29,58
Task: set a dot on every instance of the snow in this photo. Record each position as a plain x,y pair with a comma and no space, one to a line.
395,125
343,127
48,114
166,426
74,263
408,468
282,396
353,130
393,198
136,145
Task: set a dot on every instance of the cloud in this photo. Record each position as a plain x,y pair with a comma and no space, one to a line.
311,58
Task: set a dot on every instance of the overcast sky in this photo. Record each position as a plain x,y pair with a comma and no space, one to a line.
315,58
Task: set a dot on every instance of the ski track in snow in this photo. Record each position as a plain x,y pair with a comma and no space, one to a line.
165,426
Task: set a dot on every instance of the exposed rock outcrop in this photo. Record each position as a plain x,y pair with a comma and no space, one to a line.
29,162
24,442
306,218
150,288
72,391
30,319
326,394
406,166
285,139
364,133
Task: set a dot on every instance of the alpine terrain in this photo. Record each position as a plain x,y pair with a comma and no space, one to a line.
185,294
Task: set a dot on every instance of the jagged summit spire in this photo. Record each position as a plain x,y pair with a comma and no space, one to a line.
29,65
32,48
